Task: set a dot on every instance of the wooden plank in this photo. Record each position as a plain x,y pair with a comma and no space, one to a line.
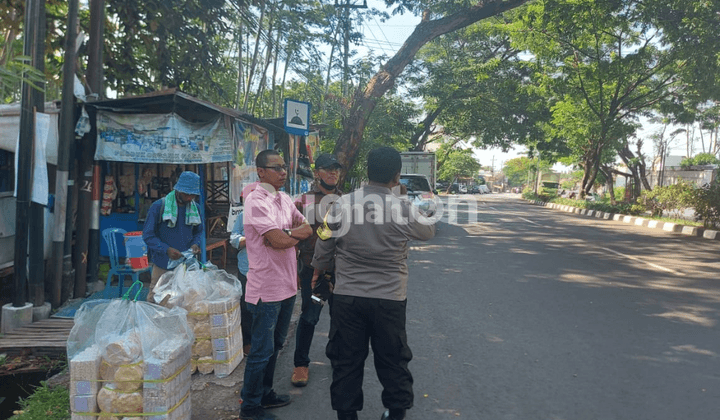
35,343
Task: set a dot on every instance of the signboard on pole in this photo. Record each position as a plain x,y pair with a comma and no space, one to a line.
297,117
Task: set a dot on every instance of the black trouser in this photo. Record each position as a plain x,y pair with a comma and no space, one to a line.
354,322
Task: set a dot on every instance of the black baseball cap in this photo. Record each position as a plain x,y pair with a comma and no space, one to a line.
325,161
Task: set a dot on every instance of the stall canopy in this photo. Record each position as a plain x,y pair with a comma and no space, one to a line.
173,127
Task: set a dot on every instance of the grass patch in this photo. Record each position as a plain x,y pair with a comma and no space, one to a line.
45,404
676,221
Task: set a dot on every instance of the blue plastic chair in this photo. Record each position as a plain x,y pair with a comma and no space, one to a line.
117,269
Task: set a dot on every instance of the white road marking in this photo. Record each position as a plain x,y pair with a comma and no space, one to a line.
659,267
529,221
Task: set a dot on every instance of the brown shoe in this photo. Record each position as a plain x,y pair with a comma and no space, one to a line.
300,376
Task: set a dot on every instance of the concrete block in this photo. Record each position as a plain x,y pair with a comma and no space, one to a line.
628,219
672,227
578,211
13,317
653,224
608,216
618,217
640,221
41,312
711,234
689,230
583,211
599,214
590,213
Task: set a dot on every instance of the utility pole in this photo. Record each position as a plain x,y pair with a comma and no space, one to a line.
25,160
37,211
346,39
86,243
63,184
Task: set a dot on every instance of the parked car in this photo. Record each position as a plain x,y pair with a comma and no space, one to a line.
420,192
462,189
484,189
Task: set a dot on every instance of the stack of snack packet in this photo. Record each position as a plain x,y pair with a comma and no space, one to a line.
212,299
130,359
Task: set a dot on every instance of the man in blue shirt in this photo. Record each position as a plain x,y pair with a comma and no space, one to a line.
173,225
237,240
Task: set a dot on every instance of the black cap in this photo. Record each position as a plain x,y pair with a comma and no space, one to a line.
325,161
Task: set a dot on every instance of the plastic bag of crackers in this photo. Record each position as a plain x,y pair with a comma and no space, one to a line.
130,360
212,299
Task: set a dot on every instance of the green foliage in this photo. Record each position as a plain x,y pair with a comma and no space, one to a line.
602,205
699,159
619,193
671,198
45,404
155,44
601,69
522,169
529,194
14,74
458,163
475,84
707,204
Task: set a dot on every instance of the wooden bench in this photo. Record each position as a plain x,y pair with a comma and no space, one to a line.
217,243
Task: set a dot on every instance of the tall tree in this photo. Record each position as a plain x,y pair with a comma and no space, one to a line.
459,163
475,85
604,67
450,16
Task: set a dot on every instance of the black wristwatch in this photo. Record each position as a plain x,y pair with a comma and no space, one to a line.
288,232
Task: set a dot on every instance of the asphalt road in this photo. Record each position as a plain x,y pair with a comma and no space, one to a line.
529,313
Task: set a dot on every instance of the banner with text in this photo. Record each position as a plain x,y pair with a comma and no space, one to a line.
162,138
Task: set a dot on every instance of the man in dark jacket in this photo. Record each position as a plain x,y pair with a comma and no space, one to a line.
313,205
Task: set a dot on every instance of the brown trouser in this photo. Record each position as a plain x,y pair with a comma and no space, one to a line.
156,273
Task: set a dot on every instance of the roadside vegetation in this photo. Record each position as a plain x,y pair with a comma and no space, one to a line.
666,203
45,404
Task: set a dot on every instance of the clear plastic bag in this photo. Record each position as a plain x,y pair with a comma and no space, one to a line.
127,356
186,255
212,300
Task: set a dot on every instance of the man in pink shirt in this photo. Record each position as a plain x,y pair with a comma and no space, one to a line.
273,226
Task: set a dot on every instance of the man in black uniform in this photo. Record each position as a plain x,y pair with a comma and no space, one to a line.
370,296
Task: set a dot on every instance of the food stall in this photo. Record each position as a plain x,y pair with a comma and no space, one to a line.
145,142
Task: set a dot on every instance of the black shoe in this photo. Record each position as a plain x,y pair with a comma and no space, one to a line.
347,415
273,400
256,414
393,414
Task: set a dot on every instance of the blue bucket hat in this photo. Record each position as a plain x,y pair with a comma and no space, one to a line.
188,183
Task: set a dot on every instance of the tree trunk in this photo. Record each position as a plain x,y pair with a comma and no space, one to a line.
642,166
251,71
240,78
275,111
419,139
268,57
364,101
609,183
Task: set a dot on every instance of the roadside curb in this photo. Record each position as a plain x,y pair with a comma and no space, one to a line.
685,230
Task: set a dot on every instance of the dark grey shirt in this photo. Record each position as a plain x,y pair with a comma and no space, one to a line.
371,228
